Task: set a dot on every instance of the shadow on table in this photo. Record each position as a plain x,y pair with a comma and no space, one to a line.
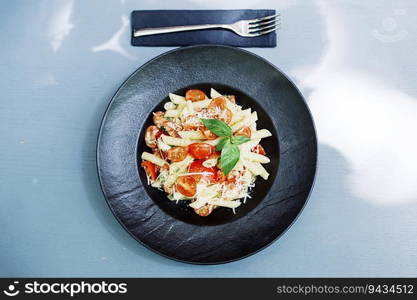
96,197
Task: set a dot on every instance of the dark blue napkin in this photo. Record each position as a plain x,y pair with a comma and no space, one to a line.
162,18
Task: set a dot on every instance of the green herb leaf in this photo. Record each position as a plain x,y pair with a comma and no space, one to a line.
221,143
229,157
237,140
218,127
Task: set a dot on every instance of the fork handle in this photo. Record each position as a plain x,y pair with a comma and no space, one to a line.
160,30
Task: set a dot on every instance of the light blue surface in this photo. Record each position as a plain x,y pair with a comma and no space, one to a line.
356,63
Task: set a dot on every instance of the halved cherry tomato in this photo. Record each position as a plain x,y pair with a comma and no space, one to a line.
150,169
244,131
205,210
195,95
259,149
219,102
151,134
208,134
219,109
197,167
200,150
186,185
158,118
176,154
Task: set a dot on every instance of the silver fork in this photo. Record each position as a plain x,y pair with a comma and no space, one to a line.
245,28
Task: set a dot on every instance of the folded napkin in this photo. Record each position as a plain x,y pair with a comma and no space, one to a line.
163,18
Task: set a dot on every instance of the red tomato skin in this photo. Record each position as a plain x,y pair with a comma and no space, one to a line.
200,150
195,95
197,167
176,154
150,169
244,131
186,185
259,149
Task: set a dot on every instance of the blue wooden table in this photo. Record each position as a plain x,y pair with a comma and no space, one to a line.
356,64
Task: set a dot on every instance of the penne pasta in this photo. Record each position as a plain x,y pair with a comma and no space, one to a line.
256,169
153,159
171,113
201,104
225,203
214,93
169,106
191,135
173,141
256,157
260,134
189,162
176,99
246,121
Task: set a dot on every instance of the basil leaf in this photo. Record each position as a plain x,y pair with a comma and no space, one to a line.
237,140
229,157
221,143
218,127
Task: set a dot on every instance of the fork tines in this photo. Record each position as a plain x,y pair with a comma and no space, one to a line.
264,25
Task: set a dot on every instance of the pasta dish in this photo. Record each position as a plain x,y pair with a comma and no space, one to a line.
205,150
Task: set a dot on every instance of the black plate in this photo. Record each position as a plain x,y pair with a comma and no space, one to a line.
174,230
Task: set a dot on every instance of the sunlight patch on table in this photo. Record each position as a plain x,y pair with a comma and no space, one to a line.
60,25
371,124
114,43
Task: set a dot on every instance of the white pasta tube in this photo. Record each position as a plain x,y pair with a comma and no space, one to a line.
201,104
181,166
169,106
256,169
153,159
173,141
172,113
176,99
225,203
260,134
246,122
214,93
191,135
198,203
256,157
162,146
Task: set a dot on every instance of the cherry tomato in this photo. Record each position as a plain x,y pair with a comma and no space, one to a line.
150,169
195,95
186,185
208,134
158,118
244,131
259,149
176,154
225,115
197,167
205,210
219,102
151,134
200,150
